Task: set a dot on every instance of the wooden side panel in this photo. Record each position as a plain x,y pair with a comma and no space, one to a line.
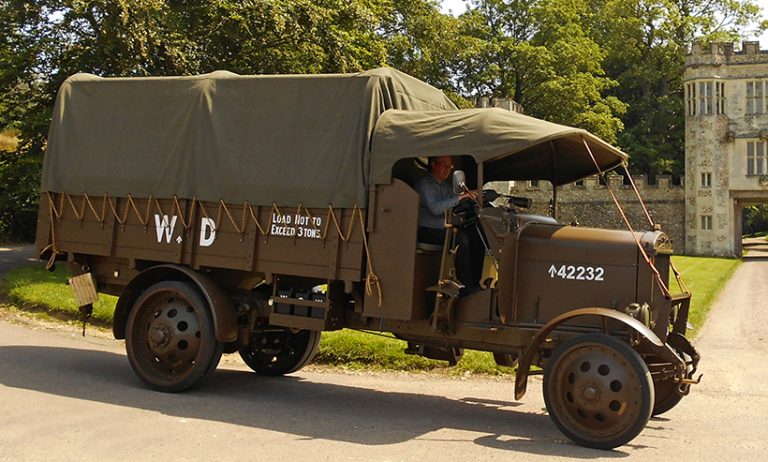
311,243
330,251
77,228
393,251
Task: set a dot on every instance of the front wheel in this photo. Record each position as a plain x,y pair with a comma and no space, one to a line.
278,350
170,339
668,391
598,391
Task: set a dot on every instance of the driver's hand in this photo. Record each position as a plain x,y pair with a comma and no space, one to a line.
469,195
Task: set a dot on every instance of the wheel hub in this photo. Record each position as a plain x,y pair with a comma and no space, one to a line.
159,337
590,393
173,333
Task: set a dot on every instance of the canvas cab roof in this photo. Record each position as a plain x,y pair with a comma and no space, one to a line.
512,146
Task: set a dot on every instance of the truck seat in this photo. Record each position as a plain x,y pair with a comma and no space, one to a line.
423,247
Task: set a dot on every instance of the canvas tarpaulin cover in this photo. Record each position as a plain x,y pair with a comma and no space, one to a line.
289,139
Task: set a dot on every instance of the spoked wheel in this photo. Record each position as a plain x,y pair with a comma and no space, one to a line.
598,391
170,339
279,351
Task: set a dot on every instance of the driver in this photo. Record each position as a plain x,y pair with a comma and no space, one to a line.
437,196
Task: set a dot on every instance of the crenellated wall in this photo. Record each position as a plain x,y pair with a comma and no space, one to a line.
590,204
718,54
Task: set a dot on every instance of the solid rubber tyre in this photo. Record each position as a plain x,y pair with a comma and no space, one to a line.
666,395
598,391
170,339
278,351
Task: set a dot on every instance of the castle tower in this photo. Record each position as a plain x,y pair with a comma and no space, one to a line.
726,143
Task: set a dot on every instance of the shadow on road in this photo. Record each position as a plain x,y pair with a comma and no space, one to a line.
290,405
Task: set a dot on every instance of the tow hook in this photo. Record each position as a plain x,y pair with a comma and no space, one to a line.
695,381
685,386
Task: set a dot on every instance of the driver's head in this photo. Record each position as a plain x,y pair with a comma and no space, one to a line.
441,167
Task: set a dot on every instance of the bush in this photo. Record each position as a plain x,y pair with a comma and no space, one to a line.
19,197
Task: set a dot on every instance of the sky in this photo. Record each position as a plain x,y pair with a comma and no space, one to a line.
459,6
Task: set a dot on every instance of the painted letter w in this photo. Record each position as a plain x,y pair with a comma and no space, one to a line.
164,227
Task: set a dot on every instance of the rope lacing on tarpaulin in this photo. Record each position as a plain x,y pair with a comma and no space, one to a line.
247,215
657,276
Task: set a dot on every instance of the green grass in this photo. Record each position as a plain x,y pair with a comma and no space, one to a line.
705,277
359,350
34,288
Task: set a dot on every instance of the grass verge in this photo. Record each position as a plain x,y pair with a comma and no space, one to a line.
34,289
705,278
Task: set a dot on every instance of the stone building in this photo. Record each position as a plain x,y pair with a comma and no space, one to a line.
726,143
502,103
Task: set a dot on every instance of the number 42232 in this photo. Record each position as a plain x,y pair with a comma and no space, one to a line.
577,273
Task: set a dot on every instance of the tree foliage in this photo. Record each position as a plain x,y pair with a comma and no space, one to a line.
755,219
540,54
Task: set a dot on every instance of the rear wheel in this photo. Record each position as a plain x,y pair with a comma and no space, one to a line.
170,338
598,391
279,351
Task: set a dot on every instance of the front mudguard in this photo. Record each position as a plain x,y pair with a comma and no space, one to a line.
649,342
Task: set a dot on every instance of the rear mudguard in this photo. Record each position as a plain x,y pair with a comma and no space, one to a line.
224,314
521,379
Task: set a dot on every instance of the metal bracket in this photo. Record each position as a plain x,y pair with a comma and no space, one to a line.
447,292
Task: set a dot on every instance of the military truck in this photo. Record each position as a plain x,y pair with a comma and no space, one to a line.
250,213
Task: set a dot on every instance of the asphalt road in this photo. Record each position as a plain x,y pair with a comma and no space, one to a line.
12,256
64,397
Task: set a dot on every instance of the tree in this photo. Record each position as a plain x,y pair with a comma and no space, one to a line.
755,219
270,36
420,40
539,53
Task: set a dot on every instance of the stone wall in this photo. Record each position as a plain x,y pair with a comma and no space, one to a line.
591,205
503,103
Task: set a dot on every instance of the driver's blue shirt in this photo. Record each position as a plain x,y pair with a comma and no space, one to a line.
436,197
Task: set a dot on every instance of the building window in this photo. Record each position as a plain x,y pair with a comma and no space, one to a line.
690,98
756,158
705,98
706,180
706,222
720,97
757,90
533,183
